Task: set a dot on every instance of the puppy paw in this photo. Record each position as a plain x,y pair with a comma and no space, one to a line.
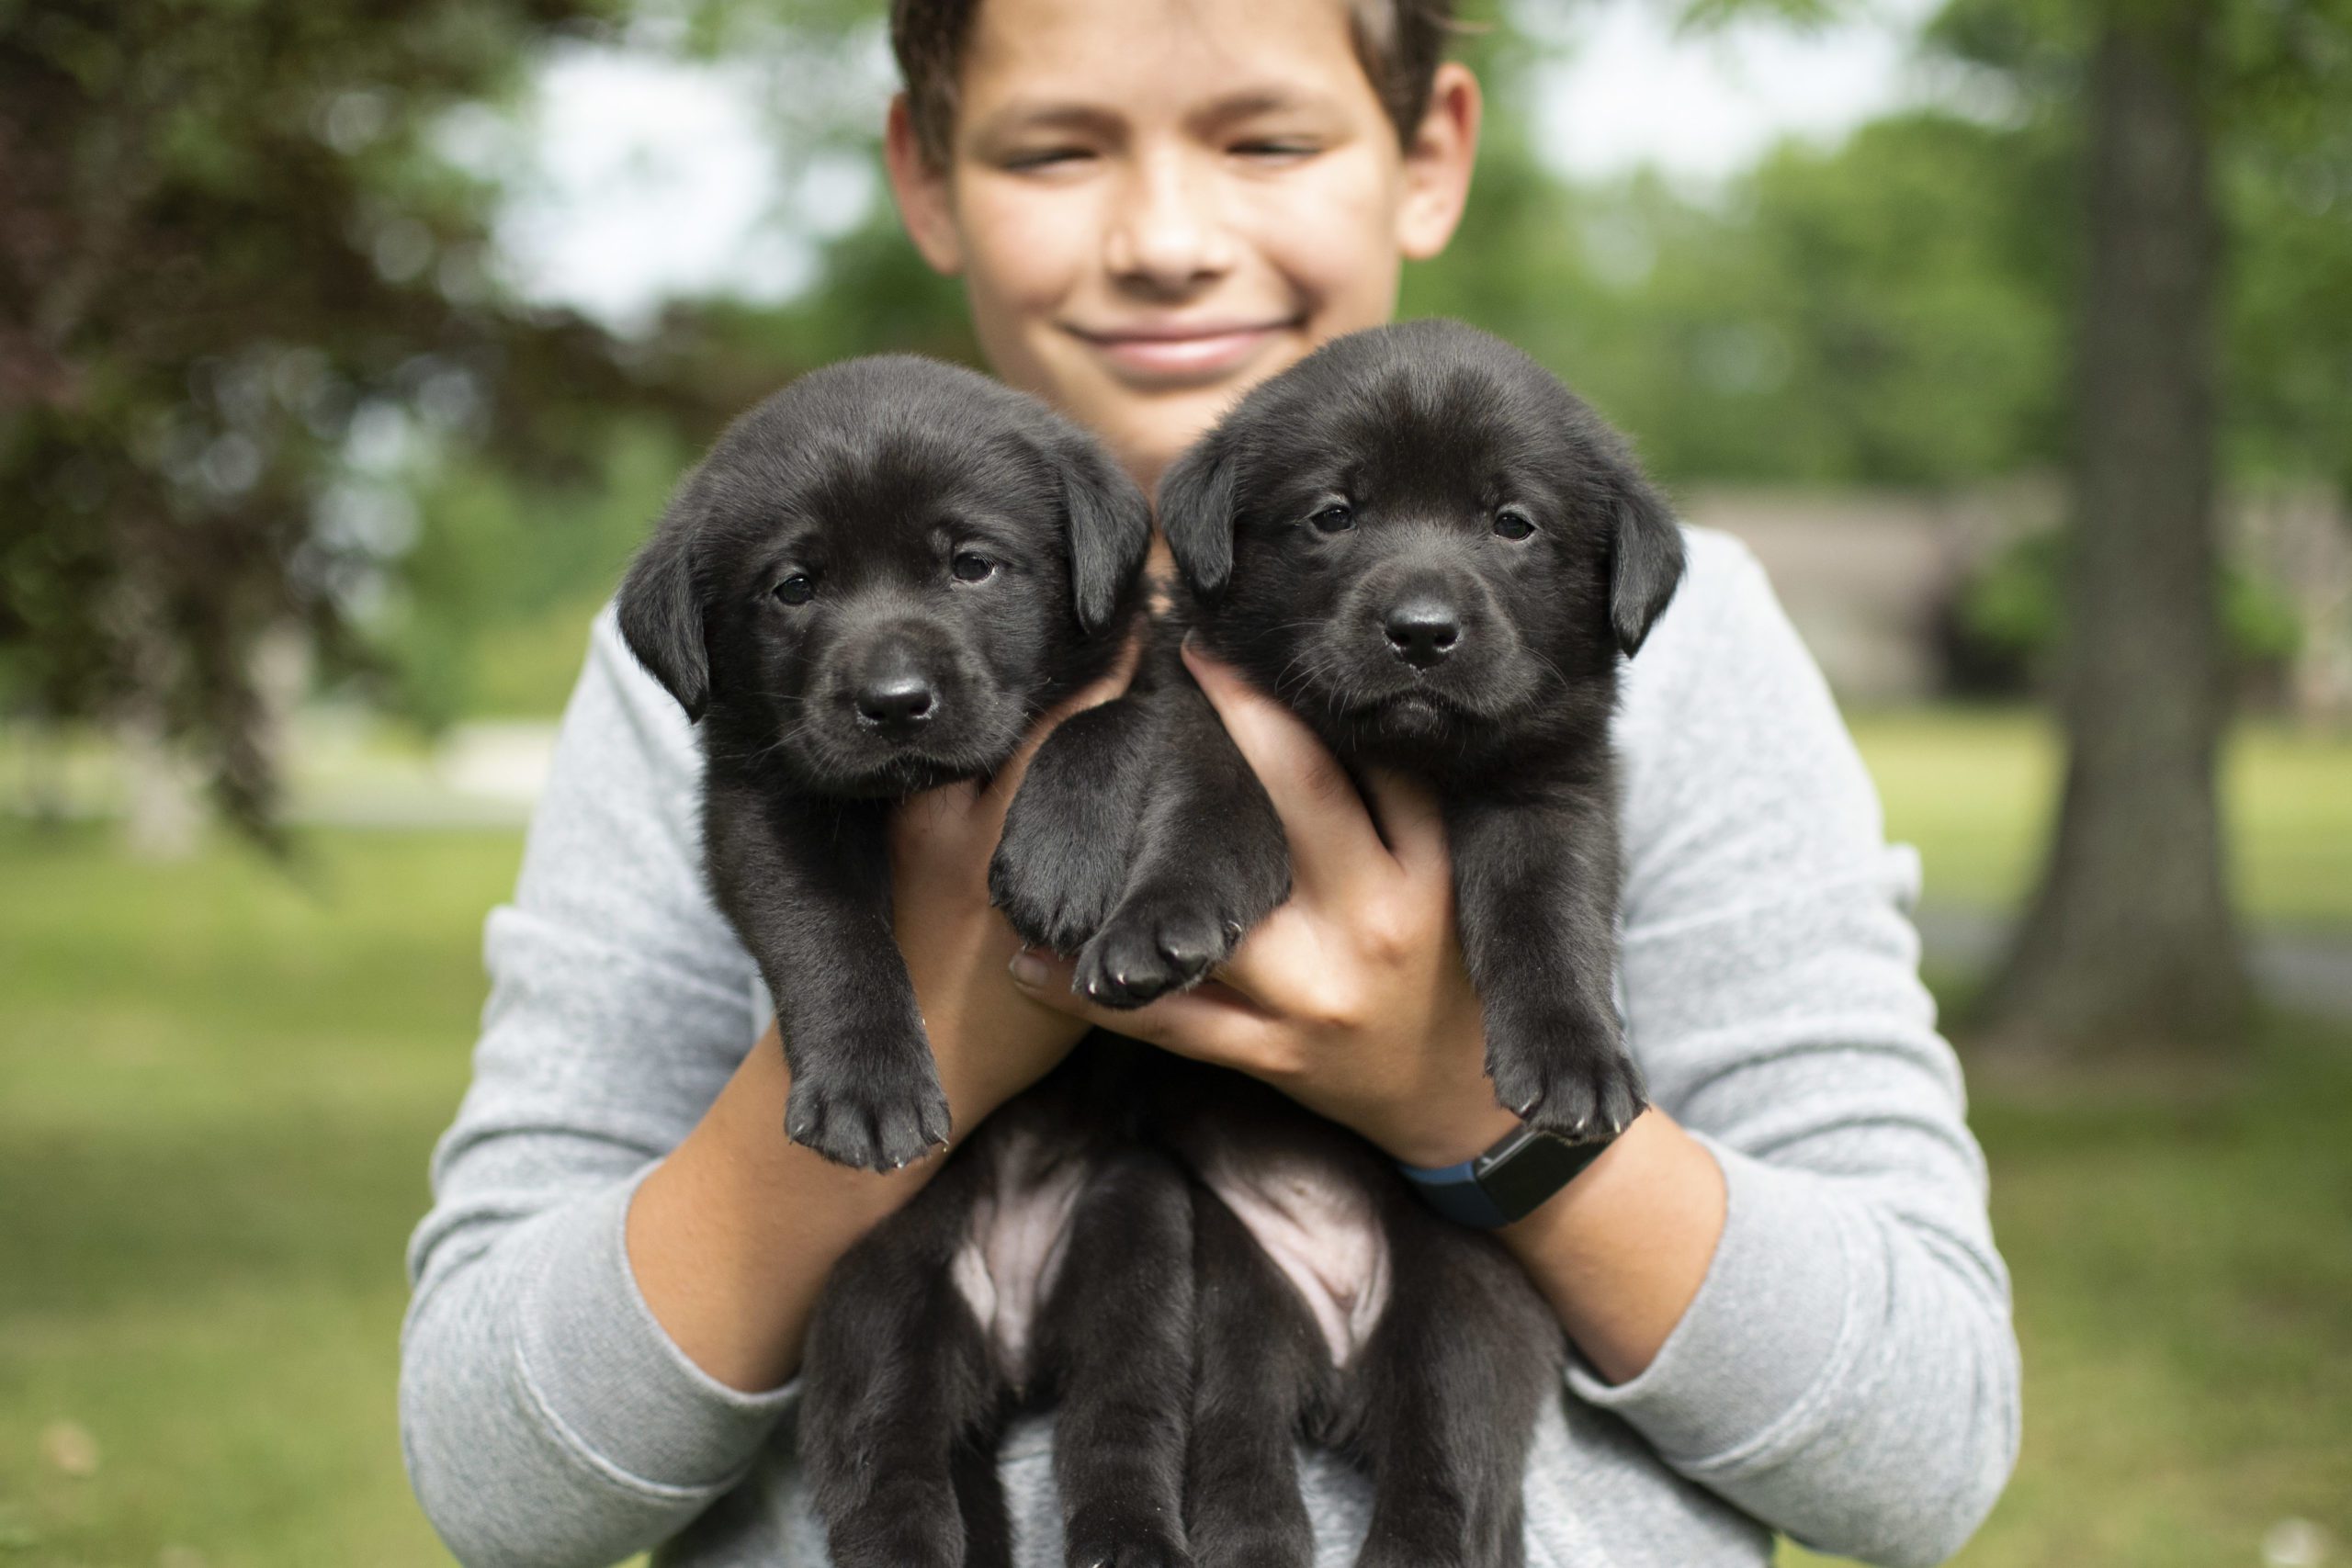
1096,1539
870,1120
1574,1092
1151,949
1055,891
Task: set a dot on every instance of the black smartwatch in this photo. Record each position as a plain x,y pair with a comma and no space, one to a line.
1511,1181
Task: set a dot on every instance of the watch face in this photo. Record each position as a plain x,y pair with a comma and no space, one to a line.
1521,1177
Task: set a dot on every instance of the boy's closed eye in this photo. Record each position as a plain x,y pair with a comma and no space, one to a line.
1276,149
1028,159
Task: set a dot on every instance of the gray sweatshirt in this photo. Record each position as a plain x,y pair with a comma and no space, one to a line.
1847,1375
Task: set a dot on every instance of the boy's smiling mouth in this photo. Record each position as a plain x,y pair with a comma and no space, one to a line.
1170,354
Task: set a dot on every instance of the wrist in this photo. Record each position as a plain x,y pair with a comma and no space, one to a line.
1548,1222
1621,1251
1510,1180
1465,1133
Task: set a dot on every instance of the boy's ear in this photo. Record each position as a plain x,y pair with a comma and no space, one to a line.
1645,560
660,617
920,189
1196,497
1438,163
1110,530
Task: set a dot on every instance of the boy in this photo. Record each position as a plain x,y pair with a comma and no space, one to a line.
1781,1284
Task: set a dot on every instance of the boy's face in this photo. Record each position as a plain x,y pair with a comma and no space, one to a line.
1156,203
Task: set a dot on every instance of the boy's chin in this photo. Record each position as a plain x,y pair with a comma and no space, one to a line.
1150,432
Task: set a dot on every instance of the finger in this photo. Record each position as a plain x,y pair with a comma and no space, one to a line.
1208,1023
1274,973
1332,841
1006,784
1405,811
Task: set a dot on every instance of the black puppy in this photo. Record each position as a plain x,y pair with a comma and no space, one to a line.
1434,553
872,584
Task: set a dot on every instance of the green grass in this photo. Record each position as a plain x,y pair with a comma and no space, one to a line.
218,1090
1975,790
2182,1261
216,1100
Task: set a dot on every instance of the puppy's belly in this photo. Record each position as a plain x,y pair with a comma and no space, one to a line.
1019,1234
1316,1226
1319,1228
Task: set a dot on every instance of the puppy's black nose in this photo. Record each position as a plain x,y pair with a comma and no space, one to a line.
1422,630
897,700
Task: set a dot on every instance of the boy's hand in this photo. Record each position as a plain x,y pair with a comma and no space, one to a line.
991,1040
1351,997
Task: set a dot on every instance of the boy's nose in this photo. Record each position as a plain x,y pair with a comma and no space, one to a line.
1166,230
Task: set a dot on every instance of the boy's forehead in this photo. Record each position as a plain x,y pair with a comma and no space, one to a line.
1028,56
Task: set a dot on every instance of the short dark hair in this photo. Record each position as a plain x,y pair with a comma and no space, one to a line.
1398,42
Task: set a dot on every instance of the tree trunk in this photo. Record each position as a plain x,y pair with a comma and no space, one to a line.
2129,942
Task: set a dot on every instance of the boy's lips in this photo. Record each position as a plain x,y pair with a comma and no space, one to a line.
1174,354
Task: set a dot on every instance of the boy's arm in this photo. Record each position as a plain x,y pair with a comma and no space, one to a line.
1846,1370
546,1415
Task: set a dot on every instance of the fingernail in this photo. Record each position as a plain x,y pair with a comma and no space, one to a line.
1027,968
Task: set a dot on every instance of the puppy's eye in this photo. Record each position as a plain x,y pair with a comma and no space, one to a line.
1513,525
1334,519
969,567
798,589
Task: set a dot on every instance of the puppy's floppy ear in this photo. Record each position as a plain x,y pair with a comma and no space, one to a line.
660,616
1196,497
1645,560
1110,529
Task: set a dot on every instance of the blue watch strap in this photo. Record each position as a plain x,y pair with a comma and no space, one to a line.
1454,1191
1507,1182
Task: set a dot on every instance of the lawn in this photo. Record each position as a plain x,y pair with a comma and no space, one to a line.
1973,788
219,1087
216,1100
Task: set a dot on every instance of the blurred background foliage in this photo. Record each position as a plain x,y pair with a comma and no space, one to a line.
260,369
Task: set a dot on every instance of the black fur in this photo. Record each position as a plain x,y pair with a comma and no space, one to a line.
905,1394
1183,1365
1435,554
872,584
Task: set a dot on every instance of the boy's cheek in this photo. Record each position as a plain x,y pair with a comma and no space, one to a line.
1026,241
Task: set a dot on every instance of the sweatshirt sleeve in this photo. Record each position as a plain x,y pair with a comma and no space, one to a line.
1848,1373
545,1418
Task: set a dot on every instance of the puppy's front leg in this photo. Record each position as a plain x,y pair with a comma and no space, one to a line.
1069,837
1210,863
806,883
1535,890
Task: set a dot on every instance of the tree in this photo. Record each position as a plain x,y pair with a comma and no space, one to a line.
2129,939
224,241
